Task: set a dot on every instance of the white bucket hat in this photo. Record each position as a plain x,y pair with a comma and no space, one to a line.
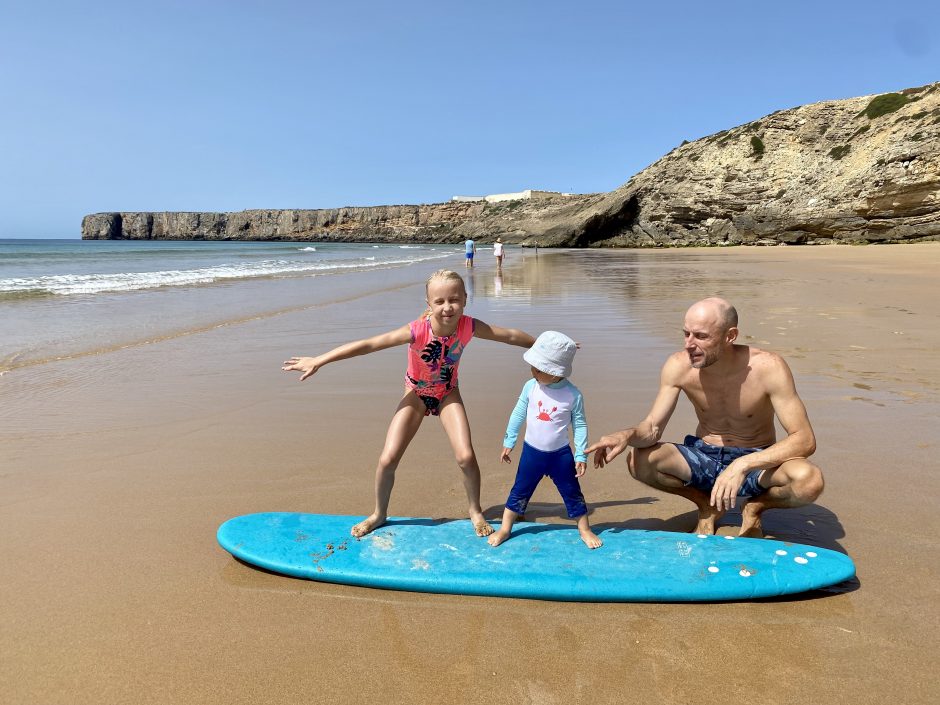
552,353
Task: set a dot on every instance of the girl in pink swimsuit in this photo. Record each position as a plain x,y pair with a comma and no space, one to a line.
436,342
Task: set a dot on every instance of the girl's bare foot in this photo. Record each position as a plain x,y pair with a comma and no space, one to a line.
480,524
498,537
367,525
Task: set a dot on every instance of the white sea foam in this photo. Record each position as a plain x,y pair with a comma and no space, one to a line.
75,284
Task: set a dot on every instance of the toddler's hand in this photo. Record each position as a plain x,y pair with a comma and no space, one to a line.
504,456
580,468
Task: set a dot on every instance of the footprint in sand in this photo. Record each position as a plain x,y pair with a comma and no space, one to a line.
865,399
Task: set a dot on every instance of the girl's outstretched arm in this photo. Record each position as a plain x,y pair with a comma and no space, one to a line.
309,365
510,336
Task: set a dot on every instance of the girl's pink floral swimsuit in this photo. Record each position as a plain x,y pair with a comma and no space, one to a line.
433,360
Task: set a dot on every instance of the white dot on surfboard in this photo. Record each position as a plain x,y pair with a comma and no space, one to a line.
712,569
702,536
811,554
781,552
744,573
800,560
730,538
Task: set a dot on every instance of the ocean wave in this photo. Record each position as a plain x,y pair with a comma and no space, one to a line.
306,249
77,284
24,294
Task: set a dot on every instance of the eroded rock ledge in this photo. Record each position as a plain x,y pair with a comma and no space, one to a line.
860,170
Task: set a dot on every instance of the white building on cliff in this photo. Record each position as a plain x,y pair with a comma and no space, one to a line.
527,195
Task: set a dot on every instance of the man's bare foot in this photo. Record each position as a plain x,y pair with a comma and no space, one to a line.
498,537
751,526
480,524
367,525
707,518
591,540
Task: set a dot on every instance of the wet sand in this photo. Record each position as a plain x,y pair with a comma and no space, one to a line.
116,469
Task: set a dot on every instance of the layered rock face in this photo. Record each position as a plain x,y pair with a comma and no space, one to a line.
421,223
856,171
859,170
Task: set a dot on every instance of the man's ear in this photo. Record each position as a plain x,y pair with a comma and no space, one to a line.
731,334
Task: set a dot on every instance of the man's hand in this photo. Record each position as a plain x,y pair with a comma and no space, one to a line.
580,468
608,448
504,456
729,481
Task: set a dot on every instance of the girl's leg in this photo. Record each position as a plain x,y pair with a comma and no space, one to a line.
401,430
457,427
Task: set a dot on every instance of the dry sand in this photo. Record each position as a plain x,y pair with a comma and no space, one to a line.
117,469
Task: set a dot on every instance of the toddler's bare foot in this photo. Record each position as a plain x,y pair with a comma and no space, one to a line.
497,538
367,525
591,540
480,524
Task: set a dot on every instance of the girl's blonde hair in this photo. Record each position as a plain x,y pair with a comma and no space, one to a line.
444,275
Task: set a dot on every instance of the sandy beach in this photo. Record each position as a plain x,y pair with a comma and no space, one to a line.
117,468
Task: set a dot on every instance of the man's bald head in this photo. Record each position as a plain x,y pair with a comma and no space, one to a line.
715,310
711,327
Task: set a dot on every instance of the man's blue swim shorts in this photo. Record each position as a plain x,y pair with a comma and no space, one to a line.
707,462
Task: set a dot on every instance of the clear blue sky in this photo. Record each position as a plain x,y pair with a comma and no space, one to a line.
226,105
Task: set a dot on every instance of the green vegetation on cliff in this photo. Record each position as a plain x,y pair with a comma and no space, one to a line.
884,104
840,151
757,144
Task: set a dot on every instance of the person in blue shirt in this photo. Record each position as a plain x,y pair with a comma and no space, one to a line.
471,249
549,405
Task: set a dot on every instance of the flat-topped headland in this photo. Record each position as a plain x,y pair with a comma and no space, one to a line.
859,170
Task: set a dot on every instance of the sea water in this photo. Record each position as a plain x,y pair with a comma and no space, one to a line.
65,298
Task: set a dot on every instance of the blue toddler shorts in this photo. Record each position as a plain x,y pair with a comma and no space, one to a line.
558,465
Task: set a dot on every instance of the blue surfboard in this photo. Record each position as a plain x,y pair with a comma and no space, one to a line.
539,561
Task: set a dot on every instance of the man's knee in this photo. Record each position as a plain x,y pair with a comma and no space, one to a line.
804,480
808,482
641,463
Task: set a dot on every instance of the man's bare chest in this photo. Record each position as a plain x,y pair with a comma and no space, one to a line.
738,398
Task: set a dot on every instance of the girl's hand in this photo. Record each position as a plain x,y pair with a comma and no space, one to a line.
504,456
580,468
307,365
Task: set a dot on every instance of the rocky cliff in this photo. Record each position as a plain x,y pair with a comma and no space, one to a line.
858,170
